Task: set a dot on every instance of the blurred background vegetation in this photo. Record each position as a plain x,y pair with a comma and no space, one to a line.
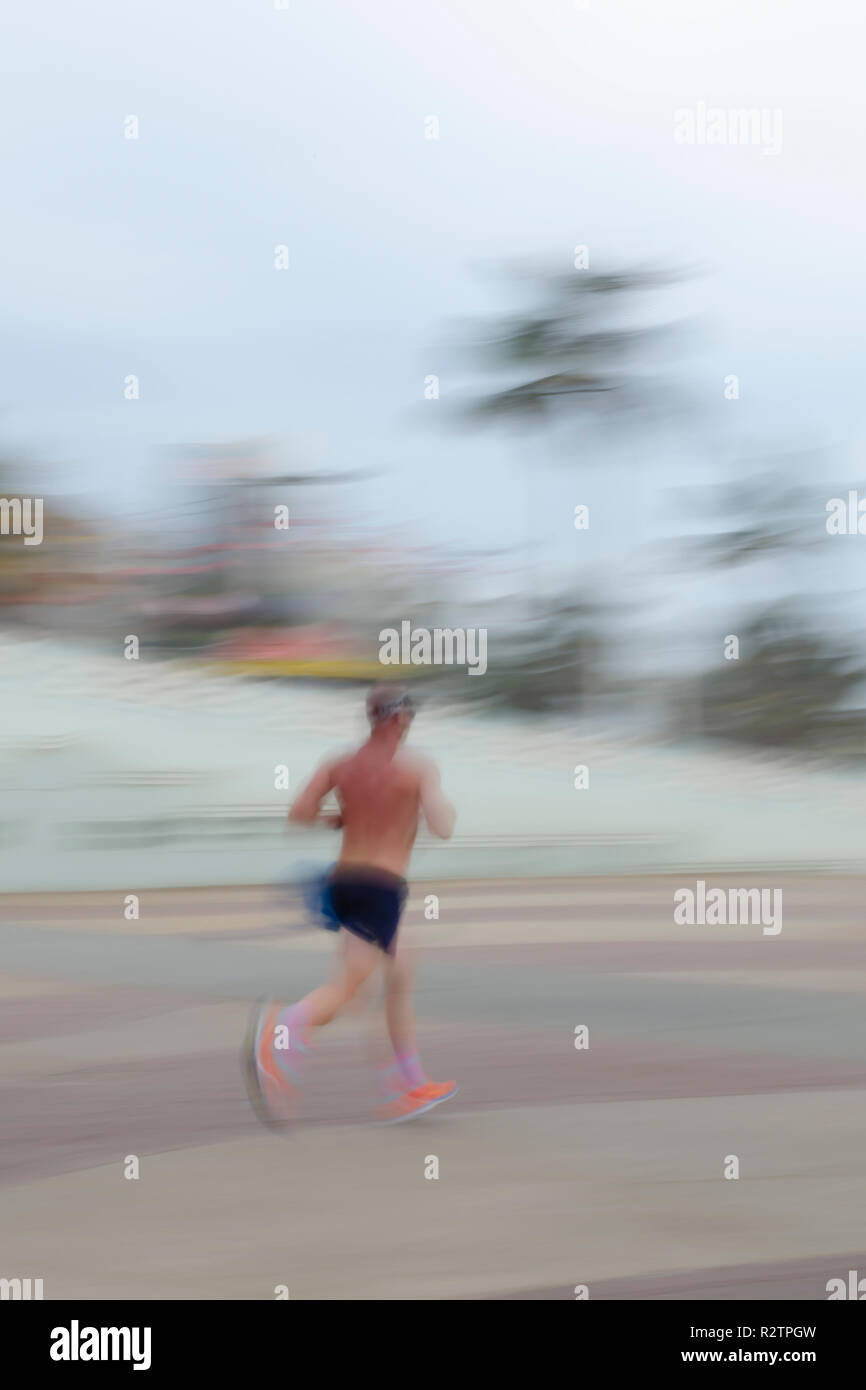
220,585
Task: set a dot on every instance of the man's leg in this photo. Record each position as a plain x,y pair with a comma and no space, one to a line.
409,1092
281,1036
356,962
400,1018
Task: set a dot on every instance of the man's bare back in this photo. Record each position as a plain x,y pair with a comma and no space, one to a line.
382,790
380,799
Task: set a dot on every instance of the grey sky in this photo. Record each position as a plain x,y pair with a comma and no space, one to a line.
306,126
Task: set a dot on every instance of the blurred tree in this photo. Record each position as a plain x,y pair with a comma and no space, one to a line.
572,354
761,514
786,686
794,668
554,660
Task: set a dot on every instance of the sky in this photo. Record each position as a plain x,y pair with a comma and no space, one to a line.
305,126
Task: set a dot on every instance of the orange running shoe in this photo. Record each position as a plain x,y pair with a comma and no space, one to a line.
270,1087
416,1102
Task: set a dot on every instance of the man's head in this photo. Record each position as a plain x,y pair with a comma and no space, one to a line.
390,707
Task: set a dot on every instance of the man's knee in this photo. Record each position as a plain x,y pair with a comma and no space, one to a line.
354,980
351,985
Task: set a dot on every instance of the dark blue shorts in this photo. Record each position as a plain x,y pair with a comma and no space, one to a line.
368,903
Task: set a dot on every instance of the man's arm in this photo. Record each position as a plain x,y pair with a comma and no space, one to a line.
305,807
438,811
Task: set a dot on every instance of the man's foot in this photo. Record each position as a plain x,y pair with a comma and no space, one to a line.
416,1102
271,1088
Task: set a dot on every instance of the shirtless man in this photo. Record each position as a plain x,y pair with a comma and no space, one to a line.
381,790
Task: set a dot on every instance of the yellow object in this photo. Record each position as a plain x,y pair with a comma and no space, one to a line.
340,668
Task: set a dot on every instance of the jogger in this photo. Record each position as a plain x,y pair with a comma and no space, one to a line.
382,791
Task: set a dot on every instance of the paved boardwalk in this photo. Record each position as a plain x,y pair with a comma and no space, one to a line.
558,1166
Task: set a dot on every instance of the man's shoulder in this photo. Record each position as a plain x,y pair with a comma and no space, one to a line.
416,761
341,757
